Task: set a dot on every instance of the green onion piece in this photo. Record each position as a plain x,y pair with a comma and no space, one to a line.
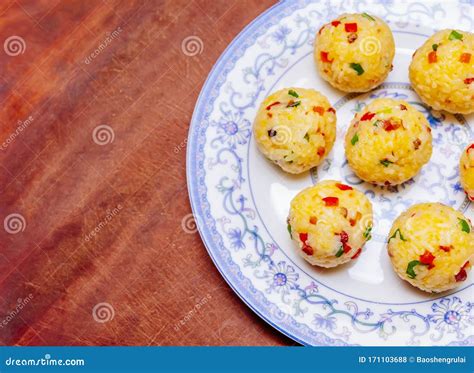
357,67
386,162
306,136
410,268
293,104
289,228
368,16
395,235
355,139
340,252
293,93
367,235
435,47
465,226
455,35
377,122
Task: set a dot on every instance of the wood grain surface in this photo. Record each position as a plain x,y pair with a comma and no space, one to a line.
96,99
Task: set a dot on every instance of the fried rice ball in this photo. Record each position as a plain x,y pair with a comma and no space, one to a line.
295,128
354,52
388,142
432,247
330,222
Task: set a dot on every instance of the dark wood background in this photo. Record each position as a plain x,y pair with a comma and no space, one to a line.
58,184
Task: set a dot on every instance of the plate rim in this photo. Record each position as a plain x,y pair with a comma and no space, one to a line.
193,189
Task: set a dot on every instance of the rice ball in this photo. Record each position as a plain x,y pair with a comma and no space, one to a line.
295,128
442,71
432,247
330,223
354,52
466,171
388,142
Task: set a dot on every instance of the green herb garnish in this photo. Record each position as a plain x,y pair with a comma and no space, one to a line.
455,35
395,235
377,122
289,228
410,268
340,252
293,93
464,226
367,234
435,47
293,103
368,16
355,139
306,137
357,67
386,162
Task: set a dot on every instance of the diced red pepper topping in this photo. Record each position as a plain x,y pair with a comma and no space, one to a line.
313,220
335,23
303,237
462,274
325,57
346,248
468,80
318,109
308,249
353,222
465,57
356,255
367,116
331,110
470,147
331,201
403,107
391,125
446,249
321,151
343,186
350,27
344,237
352,37
427,258
271,105
432,57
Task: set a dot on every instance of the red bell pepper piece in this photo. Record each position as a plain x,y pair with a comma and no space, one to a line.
331,201
350,27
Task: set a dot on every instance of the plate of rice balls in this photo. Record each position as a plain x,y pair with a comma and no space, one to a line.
330,170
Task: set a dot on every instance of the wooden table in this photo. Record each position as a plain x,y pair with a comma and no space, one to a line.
96,99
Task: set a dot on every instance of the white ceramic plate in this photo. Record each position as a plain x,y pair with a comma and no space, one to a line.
240,200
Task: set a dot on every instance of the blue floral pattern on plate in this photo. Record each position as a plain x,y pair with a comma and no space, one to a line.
278,287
